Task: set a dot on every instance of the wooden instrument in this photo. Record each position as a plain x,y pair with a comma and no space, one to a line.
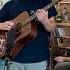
26,32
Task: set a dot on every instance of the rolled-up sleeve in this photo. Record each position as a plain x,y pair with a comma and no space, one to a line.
52,12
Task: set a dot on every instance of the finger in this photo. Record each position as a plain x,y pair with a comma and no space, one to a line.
39,12
11,24
7,28
42,12
38,15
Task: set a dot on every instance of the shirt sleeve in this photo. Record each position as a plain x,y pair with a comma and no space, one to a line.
52,12
4,13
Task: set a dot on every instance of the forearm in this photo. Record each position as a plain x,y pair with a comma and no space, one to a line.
1,24
49,25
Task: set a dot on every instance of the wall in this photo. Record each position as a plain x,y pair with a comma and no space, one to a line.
3,2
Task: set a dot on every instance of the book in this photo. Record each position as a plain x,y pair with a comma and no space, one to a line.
60,32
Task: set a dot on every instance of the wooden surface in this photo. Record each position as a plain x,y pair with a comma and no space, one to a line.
63,24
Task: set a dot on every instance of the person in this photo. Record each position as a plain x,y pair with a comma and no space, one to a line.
35,55
62,63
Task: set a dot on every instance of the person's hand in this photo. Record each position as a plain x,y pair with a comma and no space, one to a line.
48,23
42,15
59,59
6,25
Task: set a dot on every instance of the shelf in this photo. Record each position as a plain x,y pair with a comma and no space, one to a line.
67,47
63,24
64,37
64,2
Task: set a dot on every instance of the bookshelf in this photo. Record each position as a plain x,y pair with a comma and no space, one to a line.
63,26
60,42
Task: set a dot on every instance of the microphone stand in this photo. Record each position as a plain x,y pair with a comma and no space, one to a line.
7,64
10,36
7,60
